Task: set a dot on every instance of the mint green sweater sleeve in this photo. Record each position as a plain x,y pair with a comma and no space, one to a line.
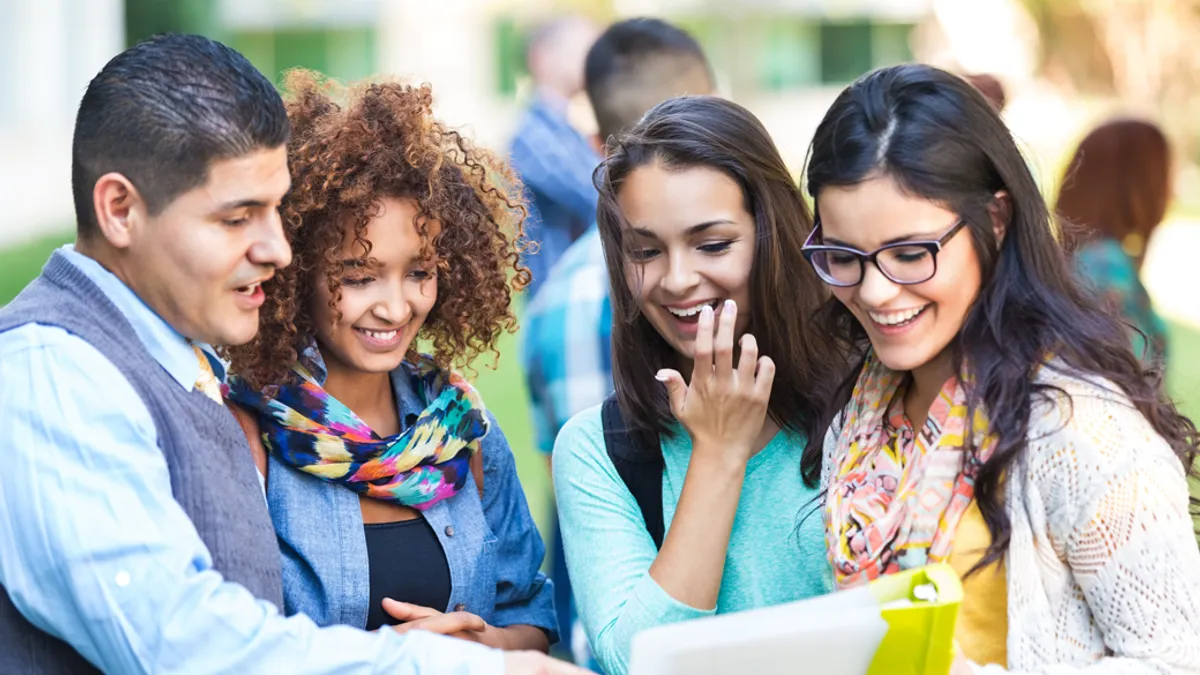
608,549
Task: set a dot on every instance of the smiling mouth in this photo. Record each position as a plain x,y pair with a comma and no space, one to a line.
898,319
692,314
250,289
381,335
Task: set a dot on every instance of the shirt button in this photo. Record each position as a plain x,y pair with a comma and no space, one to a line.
123,579
449,530
460,607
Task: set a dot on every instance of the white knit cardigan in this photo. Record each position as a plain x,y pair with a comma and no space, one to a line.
1103,570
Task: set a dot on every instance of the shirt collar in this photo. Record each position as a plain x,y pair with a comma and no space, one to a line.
172,351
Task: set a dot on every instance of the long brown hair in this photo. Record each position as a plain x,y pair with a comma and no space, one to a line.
1118,183
703,131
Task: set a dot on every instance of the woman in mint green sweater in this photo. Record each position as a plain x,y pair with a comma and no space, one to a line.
715,368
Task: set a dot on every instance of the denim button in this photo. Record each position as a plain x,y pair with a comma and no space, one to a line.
449,530
460,607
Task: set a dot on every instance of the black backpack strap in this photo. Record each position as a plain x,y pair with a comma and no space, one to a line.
638,460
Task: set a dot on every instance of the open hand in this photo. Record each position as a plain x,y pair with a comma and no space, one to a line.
461,625
723,408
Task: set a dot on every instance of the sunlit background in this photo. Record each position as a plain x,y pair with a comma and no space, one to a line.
1065,64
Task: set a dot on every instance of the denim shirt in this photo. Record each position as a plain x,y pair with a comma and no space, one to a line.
491,544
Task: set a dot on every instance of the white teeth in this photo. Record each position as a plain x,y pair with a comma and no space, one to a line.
379,334
690,311
249,290
896,318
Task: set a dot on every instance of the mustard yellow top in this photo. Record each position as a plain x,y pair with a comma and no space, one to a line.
982,629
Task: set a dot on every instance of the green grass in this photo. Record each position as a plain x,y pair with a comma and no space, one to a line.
1183,371
504,392
503,388
19,264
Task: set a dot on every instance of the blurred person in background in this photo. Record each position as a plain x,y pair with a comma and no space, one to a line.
1114,194
552,158
634,65
393,491
991,88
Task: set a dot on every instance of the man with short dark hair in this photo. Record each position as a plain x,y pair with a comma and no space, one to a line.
135,535
637,64
634,65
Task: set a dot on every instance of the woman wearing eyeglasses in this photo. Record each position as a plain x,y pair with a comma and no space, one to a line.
998,420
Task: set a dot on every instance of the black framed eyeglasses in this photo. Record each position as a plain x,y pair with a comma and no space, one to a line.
902,262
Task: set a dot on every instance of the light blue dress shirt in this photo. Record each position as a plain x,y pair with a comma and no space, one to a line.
95,550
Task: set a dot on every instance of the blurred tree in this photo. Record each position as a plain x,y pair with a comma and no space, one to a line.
1141,51
602,11
144,18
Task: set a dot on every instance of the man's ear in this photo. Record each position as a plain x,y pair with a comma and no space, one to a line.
1000,210
117,204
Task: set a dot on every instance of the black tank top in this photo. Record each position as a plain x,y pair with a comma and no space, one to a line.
407,564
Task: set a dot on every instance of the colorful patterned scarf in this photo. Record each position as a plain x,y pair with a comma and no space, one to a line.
895,500
307,428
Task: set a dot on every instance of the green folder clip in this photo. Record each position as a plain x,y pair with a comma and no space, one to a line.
921,608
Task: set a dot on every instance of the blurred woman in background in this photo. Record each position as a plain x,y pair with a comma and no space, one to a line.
1114,194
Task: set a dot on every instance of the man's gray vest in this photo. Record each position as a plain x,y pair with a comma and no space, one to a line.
212,474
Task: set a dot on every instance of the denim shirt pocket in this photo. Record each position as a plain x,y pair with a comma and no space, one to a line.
325,567
470,549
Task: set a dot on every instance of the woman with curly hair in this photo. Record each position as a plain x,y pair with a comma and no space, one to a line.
393,491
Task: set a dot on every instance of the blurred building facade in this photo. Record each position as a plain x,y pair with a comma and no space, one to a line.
783,59
49,50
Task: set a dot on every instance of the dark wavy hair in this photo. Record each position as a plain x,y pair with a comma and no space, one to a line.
939,139
704,131
383,141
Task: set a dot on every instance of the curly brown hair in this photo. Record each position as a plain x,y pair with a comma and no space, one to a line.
353,146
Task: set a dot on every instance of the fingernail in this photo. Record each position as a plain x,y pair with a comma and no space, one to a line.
708,310
661,376
730,305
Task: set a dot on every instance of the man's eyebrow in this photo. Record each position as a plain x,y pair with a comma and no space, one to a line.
243,204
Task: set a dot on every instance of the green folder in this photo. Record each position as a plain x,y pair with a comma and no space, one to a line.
920,637
902,624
